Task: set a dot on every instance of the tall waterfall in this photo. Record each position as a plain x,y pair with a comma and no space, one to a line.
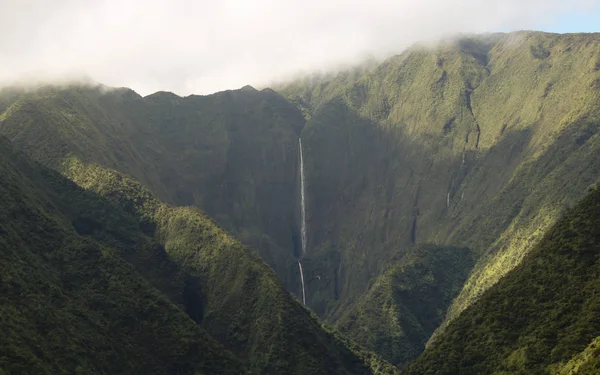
302,280
302,207
302,219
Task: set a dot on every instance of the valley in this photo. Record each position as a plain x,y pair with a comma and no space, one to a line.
433,213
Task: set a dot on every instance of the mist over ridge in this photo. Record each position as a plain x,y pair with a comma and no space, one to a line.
200,48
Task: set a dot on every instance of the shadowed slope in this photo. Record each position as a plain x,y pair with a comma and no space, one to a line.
407,302
234,153
245,306
110,280
72,303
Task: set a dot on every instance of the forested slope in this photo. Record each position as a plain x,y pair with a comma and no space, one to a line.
98,276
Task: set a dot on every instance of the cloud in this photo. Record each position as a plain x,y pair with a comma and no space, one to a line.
203,46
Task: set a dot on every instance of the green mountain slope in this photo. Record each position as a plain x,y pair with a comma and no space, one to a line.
542,317
106,279
398,314
245,306
233,154
71,304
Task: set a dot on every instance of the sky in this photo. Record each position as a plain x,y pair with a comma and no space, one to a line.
199,47
583,21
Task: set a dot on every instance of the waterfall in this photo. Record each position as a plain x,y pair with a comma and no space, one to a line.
302,207
302,220
302,280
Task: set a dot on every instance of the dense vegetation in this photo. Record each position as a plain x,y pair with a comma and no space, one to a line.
70,303
407,302
100,277
541,318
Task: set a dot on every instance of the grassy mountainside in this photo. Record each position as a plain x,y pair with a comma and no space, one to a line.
244,304
71,303
100,277
308,93
541,318
400,311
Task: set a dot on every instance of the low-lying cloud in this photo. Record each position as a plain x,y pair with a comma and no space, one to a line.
200,47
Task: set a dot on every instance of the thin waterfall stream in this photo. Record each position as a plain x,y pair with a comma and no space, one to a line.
302,280
302,220
302,207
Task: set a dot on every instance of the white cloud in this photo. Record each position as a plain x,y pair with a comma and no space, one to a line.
200,46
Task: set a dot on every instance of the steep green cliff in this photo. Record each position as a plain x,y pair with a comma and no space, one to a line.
541,318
